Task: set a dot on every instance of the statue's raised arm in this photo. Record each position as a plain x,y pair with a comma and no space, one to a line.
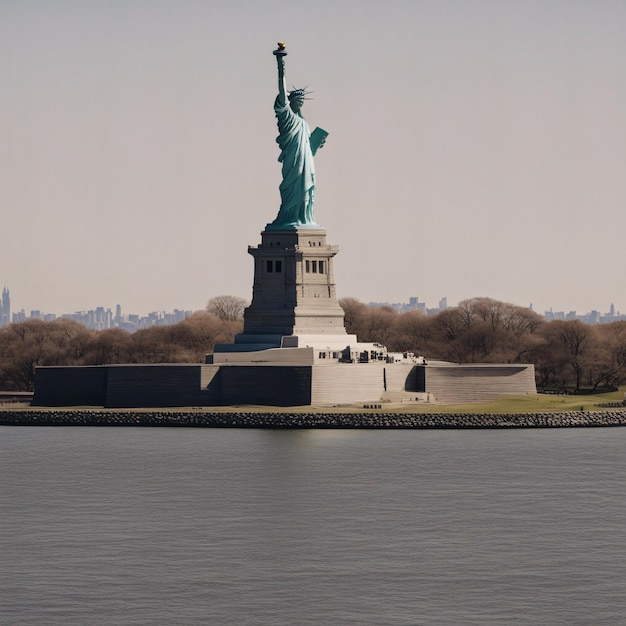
297,147
280,54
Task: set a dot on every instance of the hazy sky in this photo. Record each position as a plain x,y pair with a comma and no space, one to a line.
476,148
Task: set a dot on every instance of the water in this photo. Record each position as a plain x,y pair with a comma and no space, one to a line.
207,526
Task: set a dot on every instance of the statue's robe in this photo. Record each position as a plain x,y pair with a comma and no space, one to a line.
298,185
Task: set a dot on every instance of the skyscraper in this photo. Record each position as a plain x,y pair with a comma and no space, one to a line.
5,308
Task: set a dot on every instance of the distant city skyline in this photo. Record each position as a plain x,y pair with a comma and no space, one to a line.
101,318
548,311
591,317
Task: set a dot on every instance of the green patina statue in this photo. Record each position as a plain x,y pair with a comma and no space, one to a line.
297,147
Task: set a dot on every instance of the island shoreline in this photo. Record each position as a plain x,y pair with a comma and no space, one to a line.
307,420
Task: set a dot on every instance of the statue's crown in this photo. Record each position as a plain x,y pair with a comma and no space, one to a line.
302,93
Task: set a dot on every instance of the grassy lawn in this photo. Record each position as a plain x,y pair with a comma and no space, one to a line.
527,404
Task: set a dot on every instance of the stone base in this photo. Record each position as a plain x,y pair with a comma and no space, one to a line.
257,343
250,343
271,356
279,377
294,286
321,342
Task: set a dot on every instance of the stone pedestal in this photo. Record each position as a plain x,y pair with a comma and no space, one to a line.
294,287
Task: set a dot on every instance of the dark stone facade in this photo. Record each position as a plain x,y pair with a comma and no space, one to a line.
172,385
266,386
70,386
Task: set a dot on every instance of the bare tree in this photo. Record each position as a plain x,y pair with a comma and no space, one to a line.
576,339
226,308
27,345
608,363
112,345
355,314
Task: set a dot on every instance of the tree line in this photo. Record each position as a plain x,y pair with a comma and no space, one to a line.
566,354
33,343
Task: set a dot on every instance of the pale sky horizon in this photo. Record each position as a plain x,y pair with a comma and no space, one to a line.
476,148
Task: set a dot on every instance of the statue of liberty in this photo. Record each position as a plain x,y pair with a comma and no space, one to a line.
297,148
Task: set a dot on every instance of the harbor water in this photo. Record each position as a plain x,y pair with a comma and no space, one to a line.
268,527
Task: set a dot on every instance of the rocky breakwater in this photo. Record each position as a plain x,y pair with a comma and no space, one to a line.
259,419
